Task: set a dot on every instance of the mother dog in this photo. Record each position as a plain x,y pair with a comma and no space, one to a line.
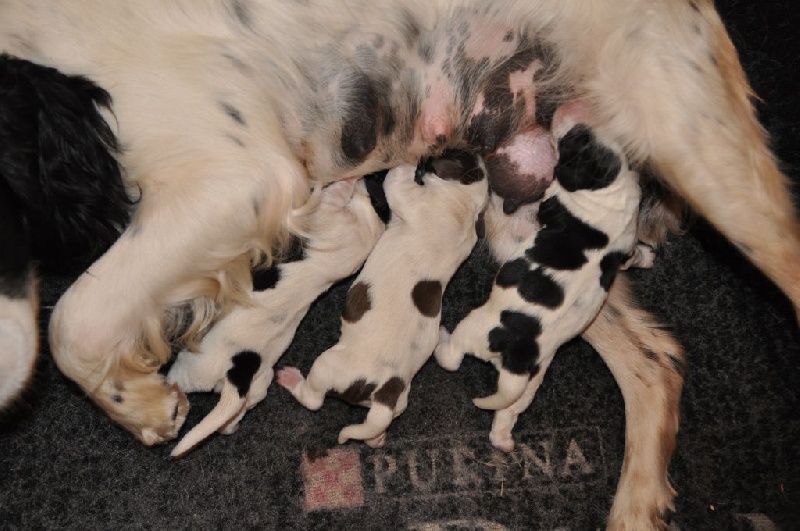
228,109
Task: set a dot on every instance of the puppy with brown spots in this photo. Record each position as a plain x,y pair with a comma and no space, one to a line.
236,357
556,281
390,324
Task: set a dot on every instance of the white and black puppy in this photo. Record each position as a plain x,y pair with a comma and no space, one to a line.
62,199
236,357
557,281
392,311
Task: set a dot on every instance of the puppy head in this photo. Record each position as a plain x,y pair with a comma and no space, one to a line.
584,163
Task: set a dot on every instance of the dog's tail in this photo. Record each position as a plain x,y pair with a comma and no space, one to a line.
228,408
377,422
510,387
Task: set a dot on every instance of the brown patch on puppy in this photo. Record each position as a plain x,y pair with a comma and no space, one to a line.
358,392
357,302
427,297
390,392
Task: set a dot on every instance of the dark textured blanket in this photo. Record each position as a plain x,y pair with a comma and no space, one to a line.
737,465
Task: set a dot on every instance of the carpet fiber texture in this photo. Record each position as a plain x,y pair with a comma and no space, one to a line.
63,465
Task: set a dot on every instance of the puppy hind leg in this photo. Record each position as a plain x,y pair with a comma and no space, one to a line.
291,379
505,419
648,366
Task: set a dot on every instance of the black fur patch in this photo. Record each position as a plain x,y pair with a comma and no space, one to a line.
264,279
390,392
515,339
358,392
360,127
480,226
377,195
537,287
15,247
427,297
245,366
563,238
584,163
58,159
609,266
511,273
357,302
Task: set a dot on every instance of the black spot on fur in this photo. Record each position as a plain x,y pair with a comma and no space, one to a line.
357,302
15,247
508,37
426,50
390,392
245,366
264,279
584,163
358,392
537,287
59,163
609,266
377,195
511,272
427,297
649,354
360,127
117,398
233,113
563,238
516,341
480,226
242,13
456,165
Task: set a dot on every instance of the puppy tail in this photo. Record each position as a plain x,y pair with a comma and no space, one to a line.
376,423
510,387
229,405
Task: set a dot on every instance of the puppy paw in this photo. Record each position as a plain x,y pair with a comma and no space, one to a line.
18,347
503,441
289,378
644,257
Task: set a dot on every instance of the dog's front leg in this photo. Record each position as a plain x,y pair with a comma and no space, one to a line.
106,332
648,364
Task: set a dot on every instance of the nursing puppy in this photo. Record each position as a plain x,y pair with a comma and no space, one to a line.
62,199
557,280
237,356
391,318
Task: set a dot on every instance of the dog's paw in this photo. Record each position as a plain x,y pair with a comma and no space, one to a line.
289,378
18,347
145,404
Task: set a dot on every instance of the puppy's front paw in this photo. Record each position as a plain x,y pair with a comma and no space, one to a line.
289,378
643,257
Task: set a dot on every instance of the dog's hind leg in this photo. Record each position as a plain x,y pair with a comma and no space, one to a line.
648,364
669,85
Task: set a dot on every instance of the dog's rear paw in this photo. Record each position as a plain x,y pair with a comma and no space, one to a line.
643,257
503,441
289,378
445,355
146,405
377,442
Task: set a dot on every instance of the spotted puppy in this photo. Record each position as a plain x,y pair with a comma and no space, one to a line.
237,355
392,311
558,280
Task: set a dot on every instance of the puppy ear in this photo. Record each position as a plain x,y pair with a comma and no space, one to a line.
583,162
461,166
